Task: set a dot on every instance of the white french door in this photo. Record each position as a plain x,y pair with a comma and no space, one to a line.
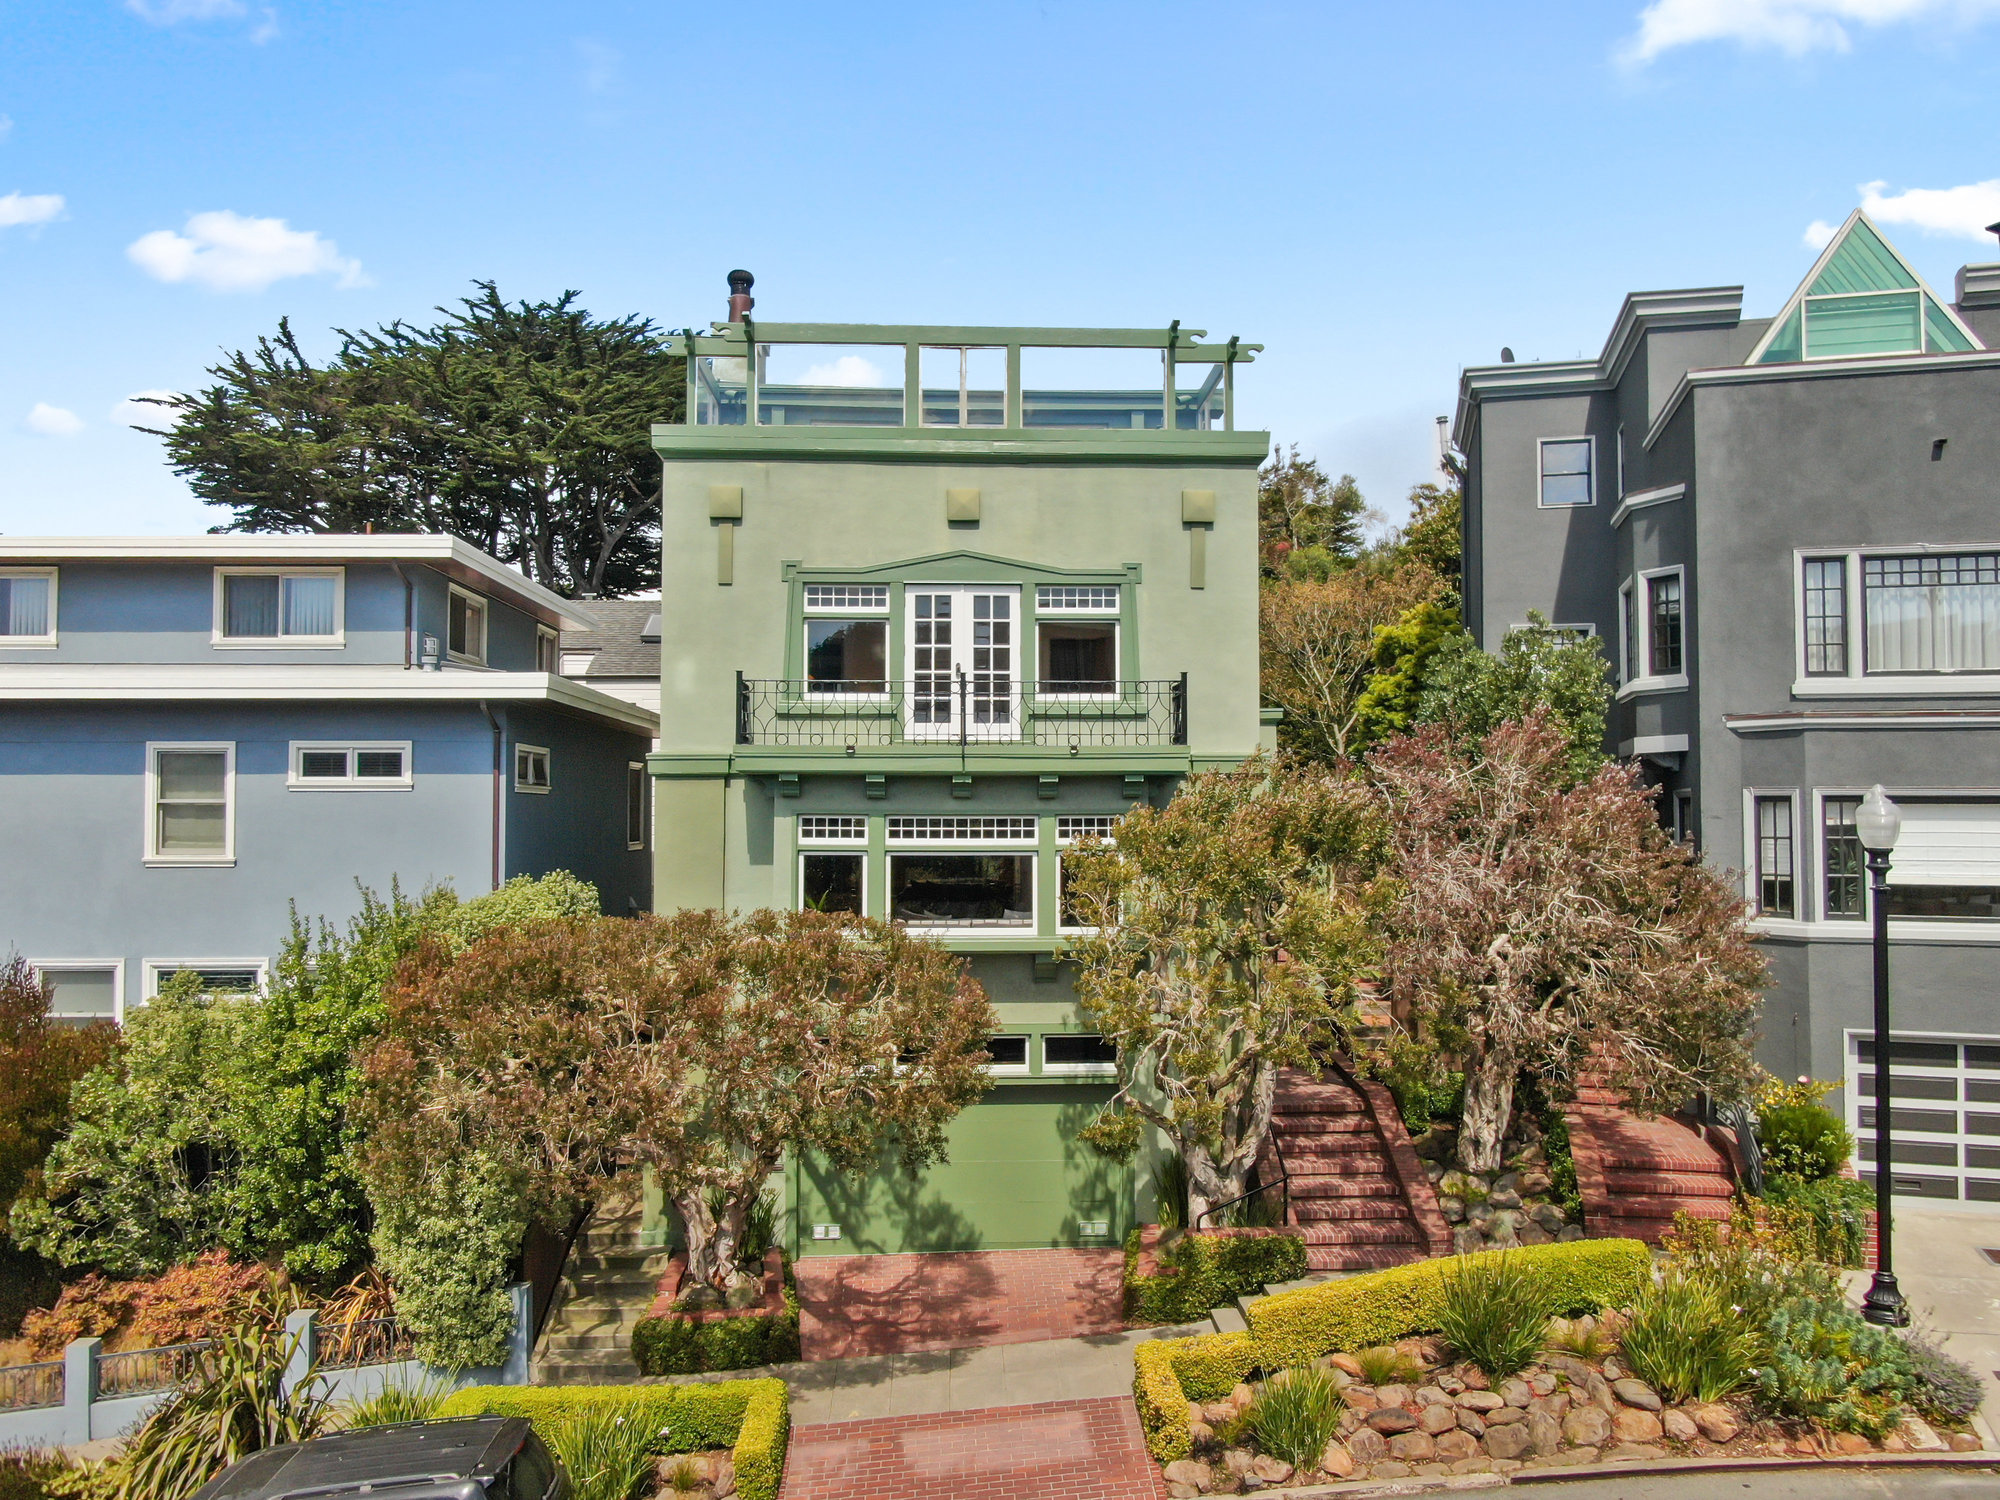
964,667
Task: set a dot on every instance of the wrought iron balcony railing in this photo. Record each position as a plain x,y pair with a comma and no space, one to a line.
957,710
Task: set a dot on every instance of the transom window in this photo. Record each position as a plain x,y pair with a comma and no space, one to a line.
1070,828
351,766
27,606
928,830
1091,598
820,828
1566,471
270,604
848,596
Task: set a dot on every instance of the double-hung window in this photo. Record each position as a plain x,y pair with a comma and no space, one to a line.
833,863
374,766
1774,847
190,792
465,628
847,638
963,872
279,606
27,607
1652,622
548,649
1842,896
1076,629
1826,616
1566,478
1908,614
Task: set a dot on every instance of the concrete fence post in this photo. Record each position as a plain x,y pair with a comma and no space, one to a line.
79,1387
520,1341
302,1340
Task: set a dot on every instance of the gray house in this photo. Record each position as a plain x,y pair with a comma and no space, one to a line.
196,732
1786,531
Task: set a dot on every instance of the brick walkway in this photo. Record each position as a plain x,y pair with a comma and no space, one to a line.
909,1304
1057,1450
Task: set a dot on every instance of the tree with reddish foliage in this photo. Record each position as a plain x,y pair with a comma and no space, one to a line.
40,1061
1549,924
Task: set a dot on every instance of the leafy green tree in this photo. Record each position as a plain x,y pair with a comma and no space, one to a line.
1431,536
1538,670
1229,929
1318,646
1308,525
1402,657
524,427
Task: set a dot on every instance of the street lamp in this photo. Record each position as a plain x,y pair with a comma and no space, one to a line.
1876,823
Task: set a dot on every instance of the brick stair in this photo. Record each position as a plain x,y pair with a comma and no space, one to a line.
606,1288
1635,1174
1358,1194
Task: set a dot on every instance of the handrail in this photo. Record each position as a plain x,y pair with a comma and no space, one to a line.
1283,1183
1738,1119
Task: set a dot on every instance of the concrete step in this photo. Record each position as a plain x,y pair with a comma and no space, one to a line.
568,1373
605,1284
1623,1183
1228,1319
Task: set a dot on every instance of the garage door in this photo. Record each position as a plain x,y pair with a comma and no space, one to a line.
1944,1115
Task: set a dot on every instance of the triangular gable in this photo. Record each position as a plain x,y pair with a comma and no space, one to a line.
1862,298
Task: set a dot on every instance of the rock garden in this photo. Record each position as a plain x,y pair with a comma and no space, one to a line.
1732,1345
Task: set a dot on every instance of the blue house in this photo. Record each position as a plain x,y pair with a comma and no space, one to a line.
197,732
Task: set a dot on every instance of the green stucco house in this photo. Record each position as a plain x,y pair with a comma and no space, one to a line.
935,602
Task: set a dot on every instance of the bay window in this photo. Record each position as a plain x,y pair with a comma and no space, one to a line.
1652,622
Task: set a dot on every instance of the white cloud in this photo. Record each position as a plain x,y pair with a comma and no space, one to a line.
1795,27
29,208
265,29
1819,234
228,253
53,421
136,410
6,127
602,66
172,12
1961,211
848,369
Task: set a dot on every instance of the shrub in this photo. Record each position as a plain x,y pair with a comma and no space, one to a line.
1296,1327
608,1453
395,1403
1296,1415
752,1416
1685,1340
237,1404
1836,1207
524,899
92,1307
1170,1191
30,1473
1387,1365
1201,1271
1804,1140
203,1298
1826,1366
1169,1373
1494,1313
1946,1388
1758,1261
446,1237
672,1344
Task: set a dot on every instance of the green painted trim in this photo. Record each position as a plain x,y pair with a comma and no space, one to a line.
943,759
1031,445
672,764
734,338
960,567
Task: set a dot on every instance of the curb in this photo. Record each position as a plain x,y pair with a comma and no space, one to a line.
1438,1483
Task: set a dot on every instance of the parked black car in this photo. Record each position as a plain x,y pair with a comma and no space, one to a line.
463,1458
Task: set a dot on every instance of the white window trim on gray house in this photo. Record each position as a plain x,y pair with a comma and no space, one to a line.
115,967
219,635
155,967
468,656
528,783
47,637
352,781
1858,680
1753,863
1542,475
1635,618
152,854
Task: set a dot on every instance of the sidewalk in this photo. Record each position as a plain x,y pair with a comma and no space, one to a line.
1952,1289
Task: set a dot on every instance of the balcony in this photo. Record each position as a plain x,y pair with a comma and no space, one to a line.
954,713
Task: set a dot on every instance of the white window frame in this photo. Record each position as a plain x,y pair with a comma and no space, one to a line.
281,642
155,967
849,850
645,786
1753,872
548,643
1025,1067
1073,1070
297,781
151,854
1063,843
809,612
1540,444
1082,617
983,929
548,769
1621,460
485,604
1638,616
848,836
48,637
1858,682
41,966
1585,628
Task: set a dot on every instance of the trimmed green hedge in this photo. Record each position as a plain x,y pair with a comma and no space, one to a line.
1379,1307
674,1345
752,1417
1383,1306
1208,1271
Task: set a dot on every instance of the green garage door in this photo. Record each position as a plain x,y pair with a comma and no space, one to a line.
1018,1178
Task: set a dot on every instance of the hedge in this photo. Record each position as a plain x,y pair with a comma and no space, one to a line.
752,1417
674,1345
1382,1306
1359,1312
1208,1271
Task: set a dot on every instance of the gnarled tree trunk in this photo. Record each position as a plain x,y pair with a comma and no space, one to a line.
1489,1101
712,1240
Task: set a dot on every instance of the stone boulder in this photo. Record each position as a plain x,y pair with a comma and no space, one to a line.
1634,1453
1336,1461
1717,1423
1392,1395
1413,1447
1472,1422
1191,1472
1637,1393
1516,1392
1453,1446
1679,1425
1482,1400
1270,1469
1437,1419
1347,1364
1368,1446
1545,1434
1391,1420
1510,1441
1586,1427
1506,1415
1633,1425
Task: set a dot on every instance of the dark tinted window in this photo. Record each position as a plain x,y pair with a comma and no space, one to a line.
1077,1050
532,1473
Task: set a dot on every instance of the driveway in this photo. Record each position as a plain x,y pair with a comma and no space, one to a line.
1952,1289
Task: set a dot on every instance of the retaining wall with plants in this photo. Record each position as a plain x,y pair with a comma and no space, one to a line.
1176,1277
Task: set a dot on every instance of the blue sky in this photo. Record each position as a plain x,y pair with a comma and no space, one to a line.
1378,193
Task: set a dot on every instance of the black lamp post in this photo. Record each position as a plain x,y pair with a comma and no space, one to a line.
1876,823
